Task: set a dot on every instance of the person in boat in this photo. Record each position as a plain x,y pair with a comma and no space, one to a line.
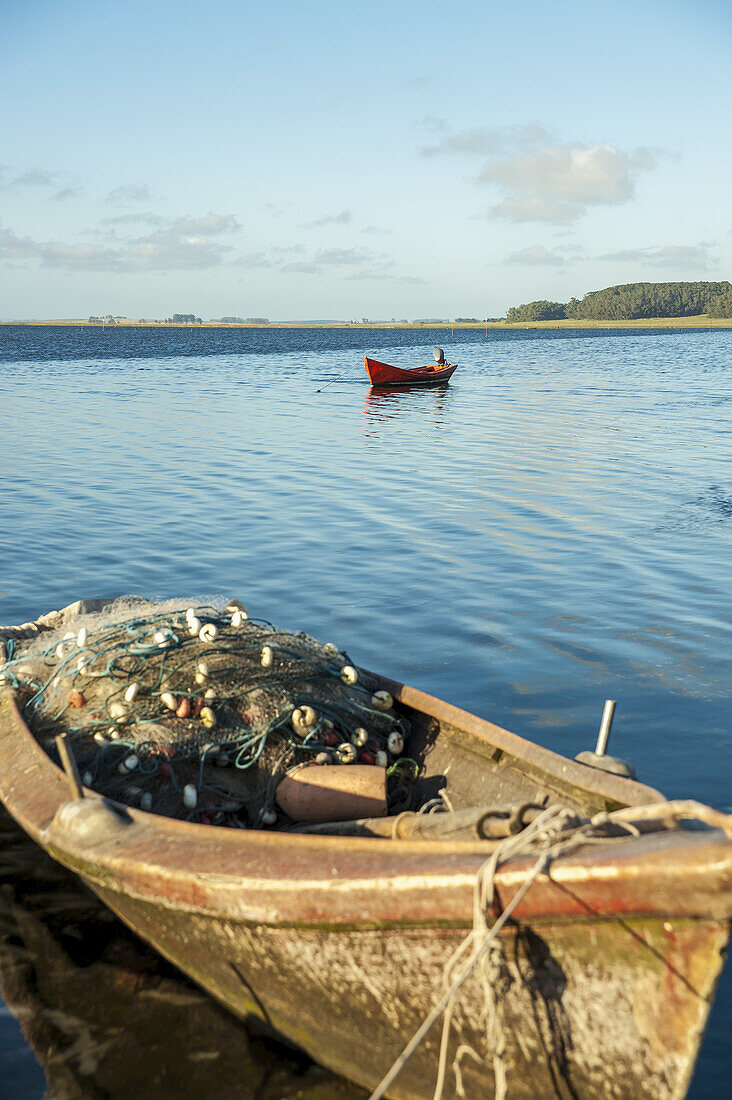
439,357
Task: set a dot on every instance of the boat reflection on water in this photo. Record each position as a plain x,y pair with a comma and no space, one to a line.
385,403
106,1016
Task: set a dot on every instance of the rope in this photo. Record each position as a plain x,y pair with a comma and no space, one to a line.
482,938
555,832
681,809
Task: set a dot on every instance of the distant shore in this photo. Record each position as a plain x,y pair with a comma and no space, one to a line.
701,322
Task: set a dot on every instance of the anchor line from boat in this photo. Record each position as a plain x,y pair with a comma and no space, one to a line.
557,831
332,380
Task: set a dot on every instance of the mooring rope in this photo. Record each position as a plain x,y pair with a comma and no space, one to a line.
555,831
482,938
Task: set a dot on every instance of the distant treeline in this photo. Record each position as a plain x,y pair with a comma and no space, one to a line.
634,301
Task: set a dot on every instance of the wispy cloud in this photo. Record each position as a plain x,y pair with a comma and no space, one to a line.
13,247
349,263
543,179
66,193
273,257
210,225
379,269
253,259
681,257
537,254
343,217
482,140
128,193
81,257
329,258
179,244
135,217
137,242
41,179
35,177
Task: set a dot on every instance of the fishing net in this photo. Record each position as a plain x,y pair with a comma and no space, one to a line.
198,712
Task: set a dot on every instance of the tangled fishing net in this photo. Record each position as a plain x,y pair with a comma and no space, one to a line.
198,712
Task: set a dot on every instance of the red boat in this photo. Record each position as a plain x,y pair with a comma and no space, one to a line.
382,374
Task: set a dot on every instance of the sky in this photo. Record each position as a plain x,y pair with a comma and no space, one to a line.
346,160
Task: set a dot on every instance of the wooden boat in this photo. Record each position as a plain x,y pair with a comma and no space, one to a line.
339,943
382,374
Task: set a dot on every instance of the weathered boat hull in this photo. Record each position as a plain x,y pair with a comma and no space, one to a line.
341,946
596,1008
383,374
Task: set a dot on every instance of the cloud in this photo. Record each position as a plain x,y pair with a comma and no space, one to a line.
66,193
136,218
80,257
272,258
678,256
303,267
542,178
13,247
37,178
344,217
253,259
161,252
181,244
558,183
483,140
329,257
127,193
340,256
380,269
171,251
536,254
210,225
350,263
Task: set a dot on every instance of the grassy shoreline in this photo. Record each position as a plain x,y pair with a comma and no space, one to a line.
701,322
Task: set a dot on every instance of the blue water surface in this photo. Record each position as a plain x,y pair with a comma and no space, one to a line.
552,529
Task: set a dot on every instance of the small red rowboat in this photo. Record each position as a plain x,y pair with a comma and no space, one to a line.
382,374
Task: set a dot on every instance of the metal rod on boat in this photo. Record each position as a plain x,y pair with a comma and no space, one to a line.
605,727
69,763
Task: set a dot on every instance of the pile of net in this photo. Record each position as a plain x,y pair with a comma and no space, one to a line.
198,712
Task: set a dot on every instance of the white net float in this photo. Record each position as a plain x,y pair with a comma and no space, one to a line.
346,753
395,743
359,737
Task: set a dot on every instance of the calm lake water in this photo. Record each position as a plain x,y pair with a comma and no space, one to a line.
552,529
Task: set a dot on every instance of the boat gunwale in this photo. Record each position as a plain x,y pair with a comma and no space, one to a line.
266,877
615,790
